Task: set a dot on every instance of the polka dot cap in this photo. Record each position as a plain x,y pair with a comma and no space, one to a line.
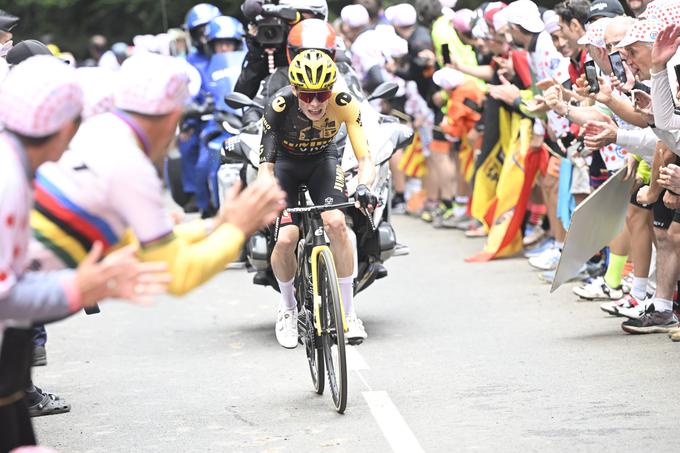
39,96
667,12
97,85
595,33
644,30
151,84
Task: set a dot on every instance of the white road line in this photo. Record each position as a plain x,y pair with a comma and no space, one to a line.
355,362
394,427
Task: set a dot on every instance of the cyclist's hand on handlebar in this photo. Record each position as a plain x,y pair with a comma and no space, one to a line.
365,198
255,207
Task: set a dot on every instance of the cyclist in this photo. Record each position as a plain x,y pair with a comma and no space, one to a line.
297,147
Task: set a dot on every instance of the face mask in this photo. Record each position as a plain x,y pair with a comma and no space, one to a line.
5,48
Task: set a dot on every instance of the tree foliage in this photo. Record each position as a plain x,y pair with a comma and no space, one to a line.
71,22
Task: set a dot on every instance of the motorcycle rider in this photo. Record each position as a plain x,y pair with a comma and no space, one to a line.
224,36
297,147
256,68
196,22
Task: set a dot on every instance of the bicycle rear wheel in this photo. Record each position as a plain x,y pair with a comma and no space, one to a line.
333,335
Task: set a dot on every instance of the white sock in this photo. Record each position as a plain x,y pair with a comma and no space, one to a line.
662,304
639,290
347,294
287,294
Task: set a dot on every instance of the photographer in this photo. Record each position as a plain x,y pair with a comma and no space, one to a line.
267,36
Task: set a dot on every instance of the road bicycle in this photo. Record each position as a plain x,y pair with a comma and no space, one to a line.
321,317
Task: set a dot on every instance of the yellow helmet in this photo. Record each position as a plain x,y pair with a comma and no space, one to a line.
312,70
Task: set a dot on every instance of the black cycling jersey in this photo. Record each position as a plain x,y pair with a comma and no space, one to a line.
288,132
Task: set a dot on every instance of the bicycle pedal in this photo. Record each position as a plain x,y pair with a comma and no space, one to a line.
355,341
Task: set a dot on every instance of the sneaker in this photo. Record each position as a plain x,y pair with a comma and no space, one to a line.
598,289
547,260
549,276
430,213
542,246
401,249
651,322
286,328
628,304
475,230
532,235
399,208
627,283
39,356
355,329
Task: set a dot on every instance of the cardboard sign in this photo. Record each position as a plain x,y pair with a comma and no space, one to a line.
595,223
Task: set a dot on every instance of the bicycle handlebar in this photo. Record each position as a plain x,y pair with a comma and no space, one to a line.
329,207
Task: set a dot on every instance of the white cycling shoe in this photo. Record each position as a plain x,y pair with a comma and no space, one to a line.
355,329
286,328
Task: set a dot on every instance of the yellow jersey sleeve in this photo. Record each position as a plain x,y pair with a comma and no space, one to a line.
193,261
349,112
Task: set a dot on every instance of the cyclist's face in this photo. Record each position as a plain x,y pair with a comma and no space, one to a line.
314,110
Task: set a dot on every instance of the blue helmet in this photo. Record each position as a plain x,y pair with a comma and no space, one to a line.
201,14
225,27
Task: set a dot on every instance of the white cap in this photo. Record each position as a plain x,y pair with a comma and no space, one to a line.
355,16
39,96
97,85
551,21
500,20
481,30
151,84
448,78
595,33
401,15
524,13
448,3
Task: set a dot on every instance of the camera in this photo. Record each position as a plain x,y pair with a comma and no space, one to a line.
272,23
271,32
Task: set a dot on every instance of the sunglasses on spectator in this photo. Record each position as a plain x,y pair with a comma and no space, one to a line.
308,96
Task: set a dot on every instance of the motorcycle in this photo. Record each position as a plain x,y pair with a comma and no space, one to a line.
373,238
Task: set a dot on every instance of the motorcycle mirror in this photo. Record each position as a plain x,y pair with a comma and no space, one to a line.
385,90
238,101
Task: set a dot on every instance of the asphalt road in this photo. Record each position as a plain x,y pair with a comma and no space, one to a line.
460,357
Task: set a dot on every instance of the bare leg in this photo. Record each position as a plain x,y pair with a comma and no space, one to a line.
283,255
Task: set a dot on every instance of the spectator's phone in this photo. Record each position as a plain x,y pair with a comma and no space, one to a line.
446,53
640,101
617,66
472,104
591,77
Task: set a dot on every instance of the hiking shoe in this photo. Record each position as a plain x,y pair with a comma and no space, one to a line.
547,260
598,289
651,322
286,328
532,235
355,329
627,304
542,246
39,356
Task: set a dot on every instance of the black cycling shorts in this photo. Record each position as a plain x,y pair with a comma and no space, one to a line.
322,175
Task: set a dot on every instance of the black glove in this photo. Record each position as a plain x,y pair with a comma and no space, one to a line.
365,197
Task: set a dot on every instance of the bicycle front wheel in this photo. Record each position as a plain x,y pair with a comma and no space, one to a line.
332,333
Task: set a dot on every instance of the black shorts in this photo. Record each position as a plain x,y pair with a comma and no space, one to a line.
663,216
634,202
322,175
